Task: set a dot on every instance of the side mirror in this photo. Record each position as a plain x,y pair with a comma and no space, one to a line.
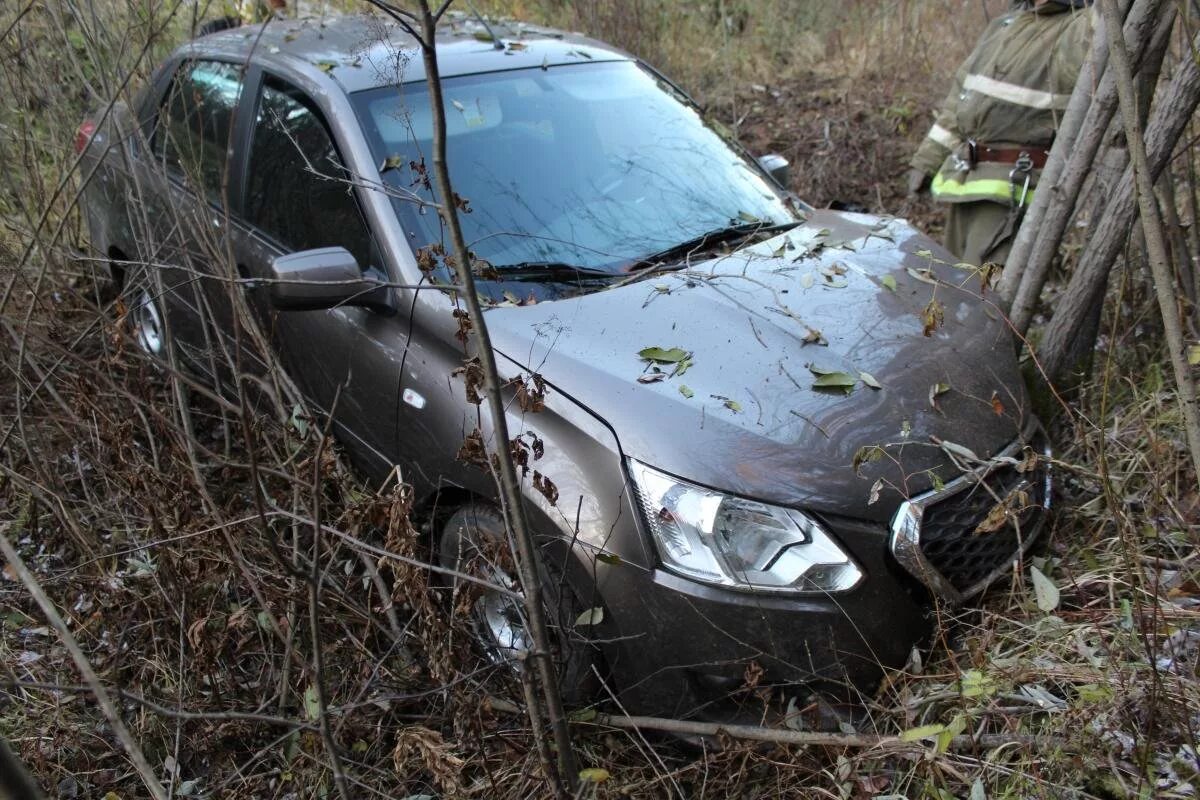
323,278
776,166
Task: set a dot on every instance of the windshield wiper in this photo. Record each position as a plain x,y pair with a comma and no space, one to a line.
707,241
555,270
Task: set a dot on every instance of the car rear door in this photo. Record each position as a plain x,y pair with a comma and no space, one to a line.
183,204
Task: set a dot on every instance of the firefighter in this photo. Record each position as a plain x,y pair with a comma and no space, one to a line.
992,135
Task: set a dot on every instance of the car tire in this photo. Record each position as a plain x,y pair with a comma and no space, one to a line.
473,542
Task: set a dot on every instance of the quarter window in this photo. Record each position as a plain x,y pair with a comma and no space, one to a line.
297,191
196,123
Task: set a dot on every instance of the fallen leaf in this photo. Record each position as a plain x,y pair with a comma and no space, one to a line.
997,406
923,275
612,559
921,732
869,380
842,381
733,405
593,775
876,488
593,616
806,282
652,377
325,66
391,162
888,282
312,708
662,355
936,391
686,392
1193,354
1044,590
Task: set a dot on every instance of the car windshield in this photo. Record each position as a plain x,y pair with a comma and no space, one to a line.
598,166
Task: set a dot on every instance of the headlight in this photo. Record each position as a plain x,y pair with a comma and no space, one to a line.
728,541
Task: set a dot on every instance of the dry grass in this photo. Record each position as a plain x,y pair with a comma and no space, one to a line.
147,539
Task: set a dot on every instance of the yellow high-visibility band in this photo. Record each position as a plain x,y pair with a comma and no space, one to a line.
982,188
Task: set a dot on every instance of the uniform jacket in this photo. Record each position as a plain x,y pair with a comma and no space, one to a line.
1010,92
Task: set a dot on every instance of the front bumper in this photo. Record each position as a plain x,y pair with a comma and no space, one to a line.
685,649
682,648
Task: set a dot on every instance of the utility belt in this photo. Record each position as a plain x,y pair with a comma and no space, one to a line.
1024,161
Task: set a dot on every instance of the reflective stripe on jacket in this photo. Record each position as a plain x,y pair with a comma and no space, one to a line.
1010,92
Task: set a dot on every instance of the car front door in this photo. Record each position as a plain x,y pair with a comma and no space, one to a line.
299,196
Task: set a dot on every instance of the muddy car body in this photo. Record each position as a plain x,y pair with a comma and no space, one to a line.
779,443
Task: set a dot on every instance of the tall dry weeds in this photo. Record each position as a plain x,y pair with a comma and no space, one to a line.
173,530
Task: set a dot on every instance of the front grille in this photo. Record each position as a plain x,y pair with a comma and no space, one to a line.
958,538
952,541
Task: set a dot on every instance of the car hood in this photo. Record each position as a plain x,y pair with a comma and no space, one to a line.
844,293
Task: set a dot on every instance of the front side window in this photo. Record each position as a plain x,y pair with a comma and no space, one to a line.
593,165
196,122
297,191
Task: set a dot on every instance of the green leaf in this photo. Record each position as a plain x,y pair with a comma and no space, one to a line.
391,162
747,217
663,356
954,728
483,36
840,381
1044,590
685,391
921,732
583,715
976,684
593,775
866,455
869,380
593,616
1193,354
733,405
816,369
312,708
325,66
888,282
609,558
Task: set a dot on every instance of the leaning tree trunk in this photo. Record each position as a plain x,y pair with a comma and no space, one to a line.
1063,346
1042,231
1160,267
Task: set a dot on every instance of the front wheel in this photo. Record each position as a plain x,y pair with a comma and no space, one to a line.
474,543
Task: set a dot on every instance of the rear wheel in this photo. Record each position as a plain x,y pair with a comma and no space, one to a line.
143,311
474,543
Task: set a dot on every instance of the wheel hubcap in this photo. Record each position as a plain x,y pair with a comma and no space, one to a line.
147,324
501,620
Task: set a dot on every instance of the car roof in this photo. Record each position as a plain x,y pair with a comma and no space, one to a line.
364,51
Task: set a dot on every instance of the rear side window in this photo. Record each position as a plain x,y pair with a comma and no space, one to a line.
297,191
196,122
